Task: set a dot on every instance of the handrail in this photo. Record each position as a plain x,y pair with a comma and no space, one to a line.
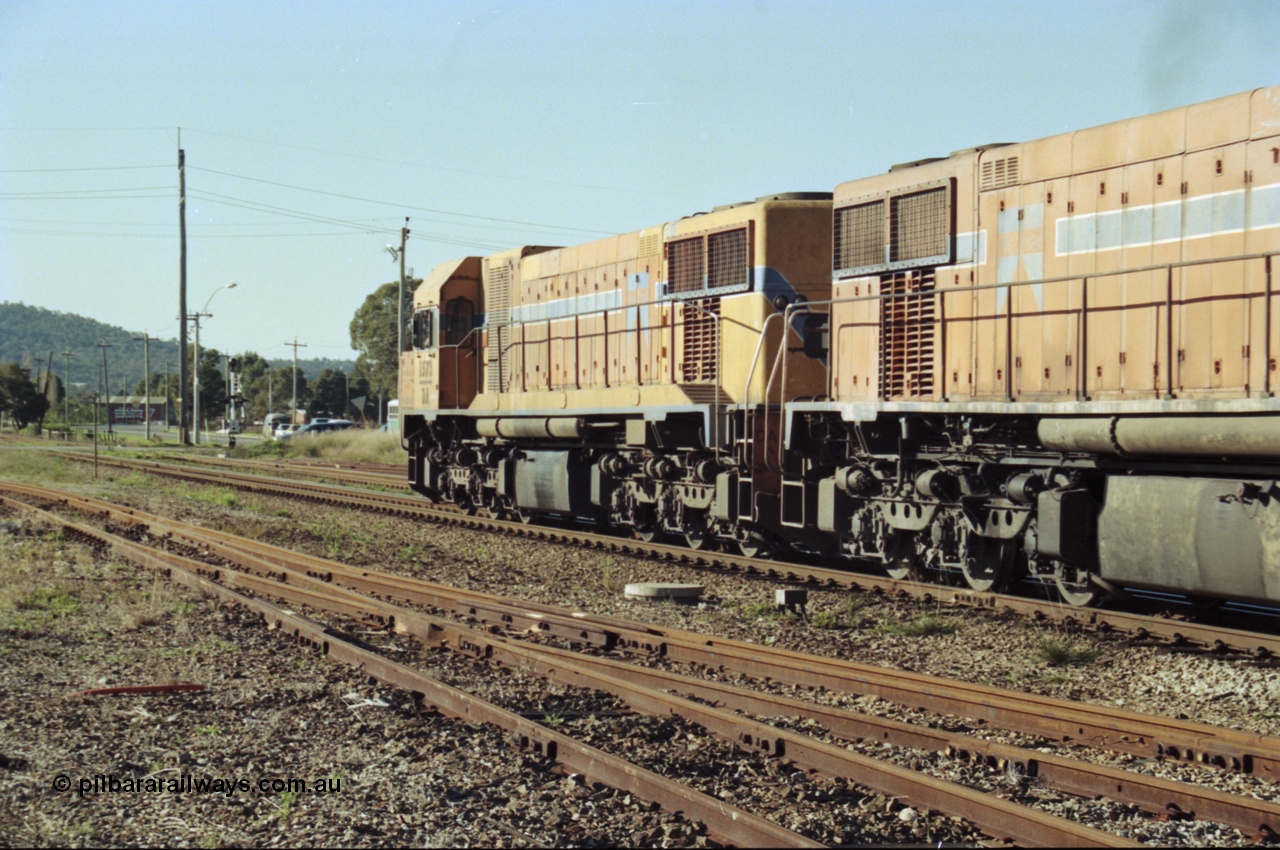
977,287
779,367
792,310
1083,311
603,314
747,411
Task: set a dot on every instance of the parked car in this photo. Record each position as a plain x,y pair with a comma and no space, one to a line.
284,429
320,426
272,422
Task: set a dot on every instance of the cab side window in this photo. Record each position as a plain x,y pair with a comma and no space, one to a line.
424,329
458,321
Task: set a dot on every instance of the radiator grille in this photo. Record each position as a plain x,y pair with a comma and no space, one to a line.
859,236
998,173
498,301
700,363
906,335
727,259
685,267
650,243
918,225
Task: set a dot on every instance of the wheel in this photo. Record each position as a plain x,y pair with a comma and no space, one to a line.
900,561
466,504
991,565
1075,585
754,546
696,534
647,533
902,570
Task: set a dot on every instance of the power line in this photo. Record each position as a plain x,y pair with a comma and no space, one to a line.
100,168
85,197
91,191
252,205
510,177
90,234
398,205
257,206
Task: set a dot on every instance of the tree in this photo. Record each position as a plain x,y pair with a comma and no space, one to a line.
329,395
282,377
20,398
213,384
373,334
362,405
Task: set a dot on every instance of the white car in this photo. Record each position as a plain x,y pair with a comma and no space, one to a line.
283,430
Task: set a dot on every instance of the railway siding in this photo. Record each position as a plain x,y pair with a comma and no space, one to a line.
792,753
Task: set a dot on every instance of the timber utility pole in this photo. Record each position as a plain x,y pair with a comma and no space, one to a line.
399,255
183,436
66,380
145,339
106,380
293,409
404,237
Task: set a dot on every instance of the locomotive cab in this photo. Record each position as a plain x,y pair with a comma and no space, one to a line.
441,370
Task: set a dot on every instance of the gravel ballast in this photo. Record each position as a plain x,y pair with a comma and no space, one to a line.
270,711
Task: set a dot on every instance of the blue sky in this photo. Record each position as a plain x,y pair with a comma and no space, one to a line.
312,129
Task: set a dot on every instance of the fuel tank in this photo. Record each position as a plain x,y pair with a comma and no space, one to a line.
1193,535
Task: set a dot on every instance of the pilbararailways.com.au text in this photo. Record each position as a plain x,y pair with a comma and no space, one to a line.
186,783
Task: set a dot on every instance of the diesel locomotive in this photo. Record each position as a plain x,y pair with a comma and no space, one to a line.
1053,359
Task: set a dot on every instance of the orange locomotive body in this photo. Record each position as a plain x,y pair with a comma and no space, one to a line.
1053,359
611,381
1059,358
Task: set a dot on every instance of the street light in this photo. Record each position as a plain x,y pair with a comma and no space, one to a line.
195,411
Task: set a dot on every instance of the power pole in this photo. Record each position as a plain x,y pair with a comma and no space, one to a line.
195,407
145,339
293,410
39,387
66,380
404,237
106,380
183,436
167,413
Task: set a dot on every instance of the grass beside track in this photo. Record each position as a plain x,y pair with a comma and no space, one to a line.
353,444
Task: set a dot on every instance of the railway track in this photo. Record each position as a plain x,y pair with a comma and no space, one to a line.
330,586
1249,636
376,475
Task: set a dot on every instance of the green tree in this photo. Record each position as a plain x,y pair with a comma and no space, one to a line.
282,383
363,405
20,398
153,384
329,395
373,334
213,385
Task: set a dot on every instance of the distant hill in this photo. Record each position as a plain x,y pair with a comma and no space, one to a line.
28,333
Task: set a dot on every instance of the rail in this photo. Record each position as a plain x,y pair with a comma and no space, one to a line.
334,586
1180,633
